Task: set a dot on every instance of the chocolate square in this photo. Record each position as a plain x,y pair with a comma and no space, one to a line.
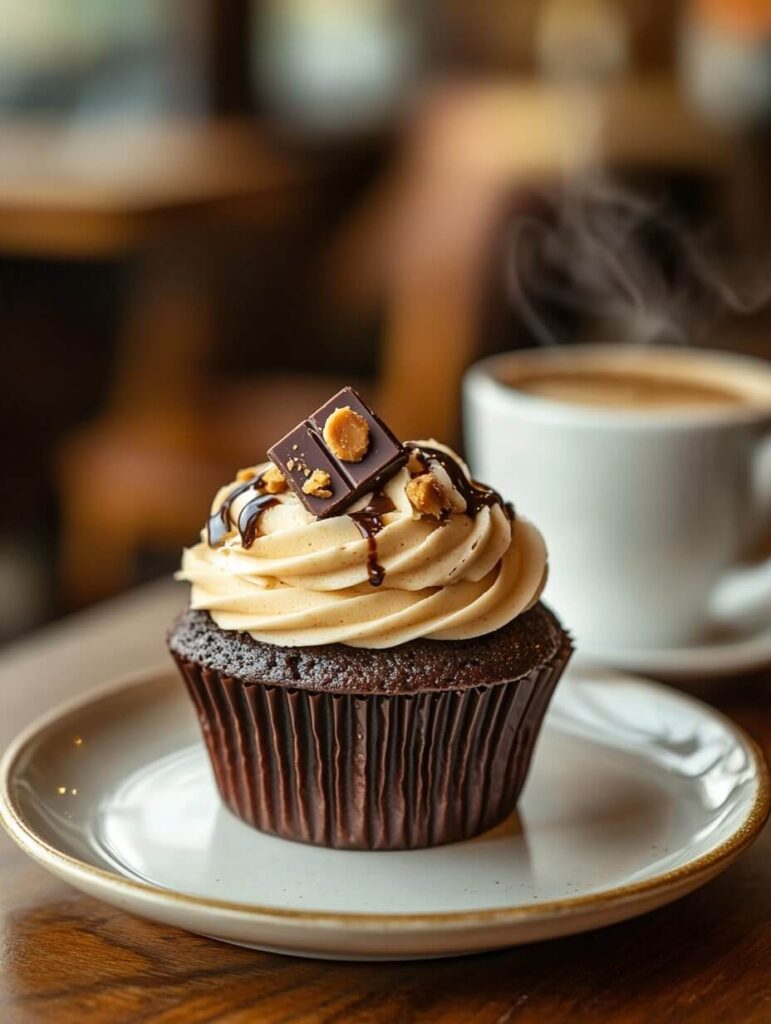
303,449
297,455
385,453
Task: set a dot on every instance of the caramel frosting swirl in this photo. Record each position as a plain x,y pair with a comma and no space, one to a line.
304,581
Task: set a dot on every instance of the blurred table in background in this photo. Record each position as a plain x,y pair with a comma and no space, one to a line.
99,187
68,958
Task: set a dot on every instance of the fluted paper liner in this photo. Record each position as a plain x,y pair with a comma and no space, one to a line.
374,772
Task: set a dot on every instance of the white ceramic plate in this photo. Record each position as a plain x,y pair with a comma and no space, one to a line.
730,655
638,795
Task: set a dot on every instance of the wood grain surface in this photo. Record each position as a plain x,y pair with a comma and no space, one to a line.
65,957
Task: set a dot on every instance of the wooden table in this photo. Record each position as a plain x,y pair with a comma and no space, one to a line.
65,957
105,188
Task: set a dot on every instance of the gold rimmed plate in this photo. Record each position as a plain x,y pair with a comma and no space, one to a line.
637,795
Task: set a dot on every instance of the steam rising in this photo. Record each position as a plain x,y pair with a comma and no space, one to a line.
622,262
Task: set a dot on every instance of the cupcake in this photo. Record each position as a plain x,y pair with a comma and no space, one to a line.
365,647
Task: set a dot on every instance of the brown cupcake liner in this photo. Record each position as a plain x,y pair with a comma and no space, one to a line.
374,772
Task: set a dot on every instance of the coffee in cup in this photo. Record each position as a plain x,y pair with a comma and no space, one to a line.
643,466
617,389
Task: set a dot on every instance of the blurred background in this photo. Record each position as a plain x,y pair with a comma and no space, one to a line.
214,213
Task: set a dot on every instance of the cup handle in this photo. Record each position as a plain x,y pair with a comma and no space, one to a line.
743,597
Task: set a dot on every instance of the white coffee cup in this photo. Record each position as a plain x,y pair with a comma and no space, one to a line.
647,513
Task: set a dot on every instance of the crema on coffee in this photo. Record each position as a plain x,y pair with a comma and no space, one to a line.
616,388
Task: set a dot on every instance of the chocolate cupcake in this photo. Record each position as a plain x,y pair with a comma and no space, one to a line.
365,648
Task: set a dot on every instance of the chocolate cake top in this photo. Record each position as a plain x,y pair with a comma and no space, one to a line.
527,642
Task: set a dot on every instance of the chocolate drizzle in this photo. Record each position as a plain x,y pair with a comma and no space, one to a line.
369,519
250,515
218,526
477,496
370,522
